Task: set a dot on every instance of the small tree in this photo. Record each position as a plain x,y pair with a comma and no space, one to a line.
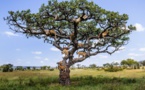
142,62
28,67
44,68
19,68
112,67
92,66
34,68
78,65
7,68
74,27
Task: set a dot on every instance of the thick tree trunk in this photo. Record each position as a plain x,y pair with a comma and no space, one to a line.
64,77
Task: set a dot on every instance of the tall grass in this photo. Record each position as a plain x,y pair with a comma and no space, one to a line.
42,80
78,83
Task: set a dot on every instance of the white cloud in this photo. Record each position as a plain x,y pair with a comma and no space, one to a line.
37,52
41,61
46,59
18,49
103,56
37,57
139,27
131,57
10,34
132,49
117,52
54,49
142,49
134,54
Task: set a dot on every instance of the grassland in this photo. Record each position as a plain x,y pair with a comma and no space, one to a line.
82,79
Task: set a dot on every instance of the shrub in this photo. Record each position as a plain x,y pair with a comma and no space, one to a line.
113,69
51,69
7,68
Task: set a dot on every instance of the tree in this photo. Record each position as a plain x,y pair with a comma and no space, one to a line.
130,62
7,68
44,68
78,65
28,67
112,67
19,68
106,64
74,27
142,62
92,66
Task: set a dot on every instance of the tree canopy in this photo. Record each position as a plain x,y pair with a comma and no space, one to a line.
129,62
61,16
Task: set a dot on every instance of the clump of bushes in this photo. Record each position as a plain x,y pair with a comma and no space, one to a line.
51,69
7,68
113,69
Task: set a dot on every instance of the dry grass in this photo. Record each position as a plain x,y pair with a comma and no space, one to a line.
82,79
138,73
28,74
125,73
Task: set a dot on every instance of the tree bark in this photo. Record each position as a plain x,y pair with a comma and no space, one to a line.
64,76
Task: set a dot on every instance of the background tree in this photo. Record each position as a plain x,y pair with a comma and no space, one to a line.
142,62
131,63
19,68
34,68
28,67
78,65
92,66
74,27
112,67
44,68
7,68
106,65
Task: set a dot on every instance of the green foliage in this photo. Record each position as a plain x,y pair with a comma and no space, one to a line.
112,67
7,68
45,67
51,69
66,11
131,63
92,66
28,68
78,83
19,68
142,62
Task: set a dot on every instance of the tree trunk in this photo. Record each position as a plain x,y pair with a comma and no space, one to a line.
64,76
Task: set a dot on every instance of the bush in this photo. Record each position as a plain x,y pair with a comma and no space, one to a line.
19,68
7,68
113,69
51,69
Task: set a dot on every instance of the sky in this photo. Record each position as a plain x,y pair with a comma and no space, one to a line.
21,51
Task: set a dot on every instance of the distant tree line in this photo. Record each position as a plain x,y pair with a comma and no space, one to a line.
111,67
115,66
10,68
6,68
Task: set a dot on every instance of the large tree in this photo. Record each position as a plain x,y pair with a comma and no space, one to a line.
74,27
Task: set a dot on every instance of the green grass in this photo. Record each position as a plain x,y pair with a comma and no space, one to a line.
80,80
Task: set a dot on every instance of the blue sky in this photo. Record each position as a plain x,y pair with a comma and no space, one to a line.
18,50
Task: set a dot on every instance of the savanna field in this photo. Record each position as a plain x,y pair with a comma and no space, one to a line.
81,79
